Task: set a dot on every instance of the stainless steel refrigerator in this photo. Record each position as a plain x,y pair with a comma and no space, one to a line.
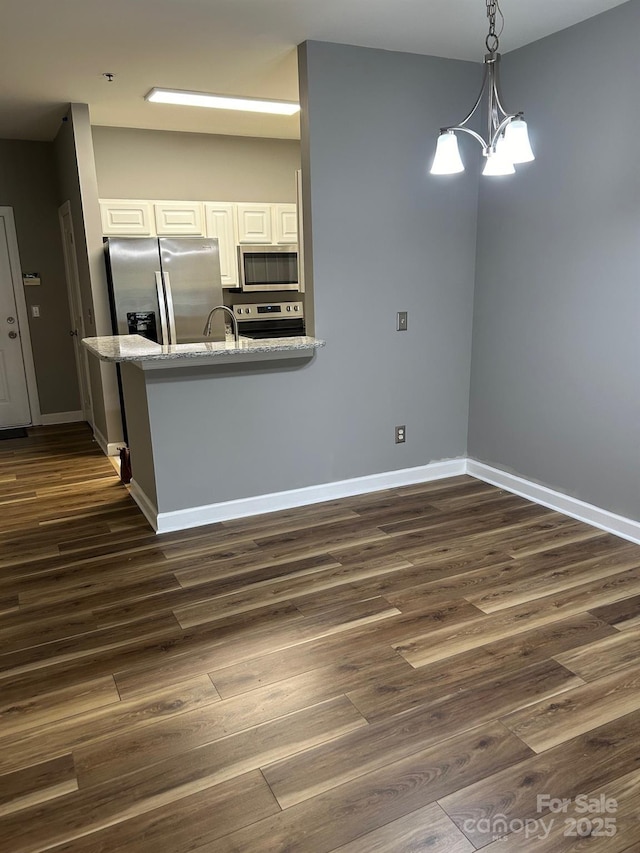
164,287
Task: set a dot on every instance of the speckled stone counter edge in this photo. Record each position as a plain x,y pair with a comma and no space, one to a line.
134,348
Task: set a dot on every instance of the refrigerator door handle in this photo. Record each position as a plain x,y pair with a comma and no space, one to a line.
162,307
170,313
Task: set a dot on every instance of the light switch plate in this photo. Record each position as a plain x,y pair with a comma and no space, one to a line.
401,321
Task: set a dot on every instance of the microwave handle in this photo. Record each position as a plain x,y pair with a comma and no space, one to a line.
241,281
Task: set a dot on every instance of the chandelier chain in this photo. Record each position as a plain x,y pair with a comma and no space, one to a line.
492,40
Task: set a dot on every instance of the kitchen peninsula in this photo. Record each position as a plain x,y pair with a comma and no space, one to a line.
174,397
148,355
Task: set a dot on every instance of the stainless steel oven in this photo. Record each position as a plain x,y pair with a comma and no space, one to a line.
268,268
270,319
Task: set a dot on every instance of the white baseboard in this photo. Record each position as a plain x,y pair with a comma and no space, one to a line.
147,507
62,418
102,441
626,528
114,447
109,448
164,522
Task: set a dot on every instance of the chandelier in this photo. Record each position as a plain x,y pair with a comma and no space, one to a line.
507,141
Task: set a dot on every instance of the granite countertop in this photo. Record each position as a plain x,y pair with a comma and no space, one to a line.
147,354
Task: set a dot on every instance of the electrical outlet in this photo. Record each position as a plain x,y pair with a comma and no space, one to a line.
35,310
401,321
401,434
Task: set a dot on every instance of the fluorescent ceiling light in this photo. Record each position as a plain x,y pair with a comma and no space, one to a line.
221,102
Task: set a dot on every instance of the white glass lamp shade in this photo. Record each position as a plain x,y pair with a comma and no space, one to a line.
498,163
516,138
447,159
503,152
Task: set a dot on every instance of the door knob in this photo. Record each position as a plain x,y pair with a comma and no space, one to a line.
13,334
11,319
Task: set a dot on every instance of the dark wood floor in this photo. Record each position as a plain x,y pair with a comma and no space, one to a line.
404,671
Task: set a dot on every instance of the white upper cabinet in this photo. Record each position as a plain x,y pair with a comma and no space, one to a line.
179,218
254,223
233,223
285,223
220,222
125,218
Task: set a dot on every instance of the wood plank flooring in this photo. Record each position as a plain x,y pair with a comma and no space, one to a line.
431,668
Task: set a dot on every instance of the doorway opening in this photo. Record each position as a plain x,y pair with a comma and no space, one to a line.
77,330
19,405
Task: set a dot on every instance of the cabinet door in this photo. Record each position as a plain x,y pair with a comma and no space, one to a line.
179,217
122,218
285,223
254,223
220,223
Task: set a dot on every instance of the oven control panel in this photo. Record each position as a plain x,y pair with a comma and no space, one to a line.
268,311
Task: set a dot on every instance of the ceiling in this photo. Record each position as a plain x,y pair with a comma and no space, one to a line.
53,53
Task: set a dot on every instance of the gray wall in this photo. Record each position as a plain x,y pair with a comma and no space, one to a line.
386,237
28,185
389,237
137,407
134,163
77,184
556,346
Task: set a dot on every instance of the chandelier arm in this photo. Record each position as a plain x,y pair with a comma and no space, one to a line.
479,98
491,107
496,87
507,120
469,131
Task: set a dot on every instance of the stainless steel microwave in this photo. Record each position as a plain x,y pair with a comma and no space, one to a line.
268,267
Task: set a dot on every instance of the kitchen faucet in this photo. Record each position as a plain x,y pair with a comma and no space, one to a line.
207,326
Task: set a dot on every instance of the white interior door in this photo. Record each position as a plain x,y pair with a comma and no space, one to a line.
14,392
77,330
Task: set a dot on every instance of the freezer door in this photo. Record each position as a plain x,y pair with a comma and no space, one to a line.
132,264
193,286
